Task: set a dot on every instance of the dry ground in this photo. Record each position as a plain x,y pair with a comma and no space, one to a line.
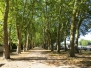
40,58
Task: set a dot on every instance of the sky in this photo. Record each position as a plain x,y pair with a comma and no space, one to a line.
86,37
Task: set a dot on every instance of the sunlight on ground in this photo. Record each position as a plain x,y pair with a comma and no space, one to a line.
41,58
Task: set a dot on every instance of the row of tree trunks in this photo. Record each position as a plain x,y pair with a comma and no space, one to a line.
6,52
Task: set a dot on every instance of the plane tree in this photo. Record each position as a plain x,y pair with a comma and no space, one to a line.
6,53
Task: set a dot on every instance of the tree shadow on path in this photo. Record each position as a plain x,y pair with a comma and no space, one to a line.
2,64
34,58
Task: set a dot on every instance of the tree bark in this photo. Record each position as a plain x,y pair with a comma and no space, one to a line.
72,36
19,43
77,29
59,29
27,41
24,46
77,36
65,44
72,30
6,53
20,31
52,48
58,38
9,39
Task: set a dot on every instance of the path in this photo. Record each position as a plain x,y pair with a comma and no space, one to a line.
36,58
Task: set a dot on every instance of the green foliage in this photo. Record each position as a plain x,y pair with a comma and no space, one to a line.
39,16
84,42
1,20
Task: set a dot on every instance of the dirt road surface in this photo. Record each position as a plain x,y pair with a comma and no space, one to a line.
36,58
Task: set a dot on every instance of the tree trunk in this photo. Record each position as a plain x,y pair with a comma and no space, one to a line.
77,35
19,38
52,48
24,46
6,54
77,29
27,41
72,36
59,29
19,44
49,37
48,44
77,32
65,45
9,39
20,30
58,38
72,30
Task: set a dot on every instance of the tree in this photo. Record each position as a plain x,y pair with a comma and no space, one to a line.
80,16
84,42
47,21
60,25
6,53
72,29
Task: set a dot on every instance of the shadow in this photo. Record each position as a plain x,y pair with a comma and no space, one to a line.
14,53
85,53
85,64
45,52
83,57
1,54
1,65
34,58
39,50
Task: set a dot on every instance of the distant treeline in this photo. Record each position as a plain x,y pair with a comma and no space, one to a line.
85,42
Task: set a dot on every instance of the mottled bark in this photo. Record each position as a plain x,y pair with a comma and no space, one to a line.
72,30
72,37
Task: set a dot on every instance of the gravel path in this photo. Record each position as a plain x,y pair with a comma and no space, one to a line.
35,58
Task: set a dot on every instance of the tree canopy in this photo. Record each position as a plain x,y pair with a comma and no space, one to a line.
38,22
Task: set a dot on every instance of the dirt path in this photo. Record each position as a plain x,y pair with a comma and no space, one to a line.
36,58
